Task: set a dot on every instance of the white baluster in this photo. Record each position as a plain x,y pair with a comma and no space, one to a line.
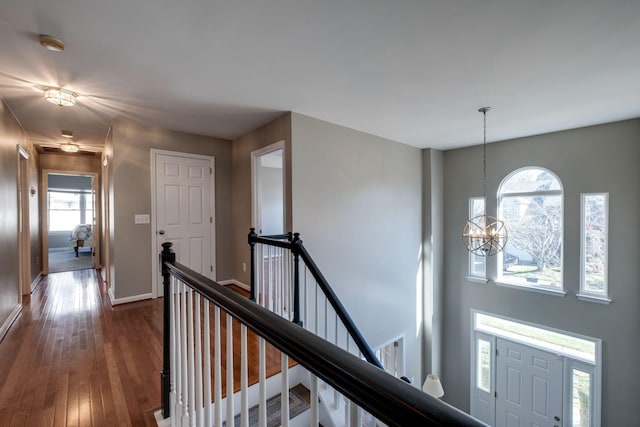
262,408
244,378
270,286
354,415
175,362
316,310
336,319
217,374
306,299
230,391
191,359
198,361
326,318
284,391
207,364
313,384
183,358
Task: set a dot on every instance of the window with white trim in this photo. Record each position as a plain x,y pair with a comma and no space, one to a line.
594,246
477,264
530,202
68,208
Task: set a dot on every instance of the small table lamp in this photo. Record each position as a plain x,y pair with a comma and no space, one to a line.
433,386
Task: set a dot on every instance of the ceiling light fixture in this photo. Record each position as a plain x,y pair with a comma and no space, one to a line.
67,133
484,235
60,96
69,147
51,43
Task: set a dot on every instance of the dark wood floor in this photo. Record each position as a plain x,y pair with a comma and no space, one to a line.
71,359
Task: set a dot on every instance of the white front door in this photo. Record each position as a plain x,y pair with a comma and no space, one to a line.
528,386
183,210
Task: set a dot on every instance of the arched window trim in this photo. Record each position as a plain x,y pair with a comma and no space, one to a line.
547,289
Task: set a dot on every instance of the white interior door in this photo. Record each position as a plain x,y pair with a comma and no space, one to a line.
528,385
183,211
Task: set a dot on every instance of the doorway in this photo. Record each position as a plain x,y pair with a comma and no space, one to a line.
268,189
527,374
183,211
71,235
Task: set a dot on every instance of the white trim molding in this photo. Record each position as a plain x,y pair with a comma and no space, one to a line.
125,300
12,318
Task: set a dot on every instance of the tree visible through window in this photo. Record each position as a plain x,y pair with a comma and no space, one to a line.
594,244
530,204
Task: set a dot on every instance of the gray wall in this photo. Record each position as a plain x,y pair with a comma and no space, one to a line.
130,174
12,134
275,131
357,204
593,159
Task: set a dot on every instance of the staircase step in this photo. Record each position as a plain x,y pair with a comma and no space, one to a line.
299,401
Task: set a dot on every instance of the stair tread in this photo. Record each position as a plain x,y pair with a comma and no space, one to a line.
299,401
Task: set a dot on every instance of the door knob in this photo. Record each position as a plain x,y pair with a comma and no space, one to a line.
161,232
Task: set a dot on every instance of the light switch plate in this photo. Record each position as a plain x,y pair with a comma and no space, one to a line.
141,219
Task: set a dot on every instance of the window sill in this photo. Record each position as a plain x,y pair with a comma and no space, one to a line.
477,279
539,289
594,298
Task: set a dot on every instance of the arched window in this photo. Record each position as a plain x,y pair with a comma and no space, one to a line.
530,203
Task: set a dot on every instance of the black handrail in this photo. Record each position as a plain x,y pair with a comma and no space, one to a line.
296,246
387,398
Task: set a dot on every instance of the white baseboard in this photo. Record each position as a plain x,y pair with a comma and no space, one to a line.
36,281
134,298
235,282
7,324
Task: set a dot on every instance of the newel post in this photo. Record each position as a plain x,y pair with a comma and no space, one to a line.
295,245
252,244
166,256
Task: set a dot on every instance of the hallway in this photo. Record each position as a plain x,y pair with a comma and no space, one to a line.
70,359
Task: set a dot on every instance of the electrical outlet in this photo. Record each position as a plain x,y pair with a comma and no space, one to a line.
244,266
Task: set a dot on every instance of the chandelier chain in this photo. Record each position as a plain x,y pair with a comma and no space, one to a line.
484,158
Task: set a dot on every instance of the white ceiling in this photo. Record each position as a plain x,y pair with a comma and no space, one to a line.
414,71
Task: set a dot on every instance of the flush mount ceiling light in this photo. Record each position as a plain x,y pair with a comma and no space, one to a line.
51,43
60,96
69,147
484,235
67,133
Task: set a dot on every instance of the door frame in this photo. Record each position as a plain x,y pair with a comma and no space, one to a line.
24,224
97,212
255,203
155,270
571,362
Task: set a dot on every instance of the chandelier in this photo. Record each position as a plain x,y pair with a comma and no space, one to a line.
60,96
484,235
